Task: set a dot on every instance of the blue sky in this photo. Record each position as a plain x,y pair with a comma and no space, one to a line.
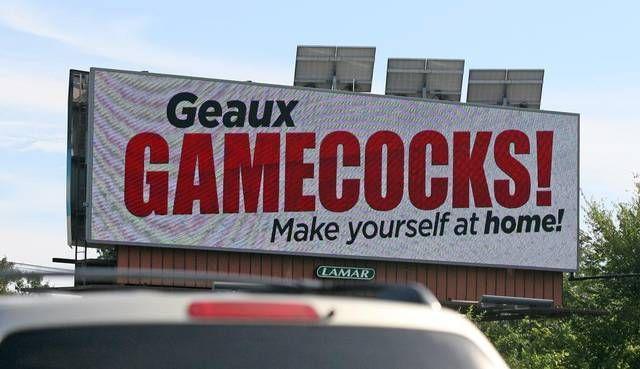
589,52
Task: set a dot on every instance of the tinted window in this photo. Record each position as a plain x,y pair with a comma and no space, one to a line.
225,346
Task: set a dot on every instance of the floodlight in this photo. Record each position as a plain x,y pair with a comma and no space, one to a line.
427,78
514,87
336,68
492,300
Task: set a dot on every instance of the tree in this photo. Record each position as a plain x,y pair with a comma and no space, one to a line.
13,285
609,245
107,253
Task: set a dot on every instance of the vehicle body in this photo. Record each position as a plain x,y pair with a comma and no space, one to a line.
151,329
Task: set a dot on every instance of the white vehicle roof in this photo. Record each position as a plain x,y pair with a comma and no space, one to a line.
19,313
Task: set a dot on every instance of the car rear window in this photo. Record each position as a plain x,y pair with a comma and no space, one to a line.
238,346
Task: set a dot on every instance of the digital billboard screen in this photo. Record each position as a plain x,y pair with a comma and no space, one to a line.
209,164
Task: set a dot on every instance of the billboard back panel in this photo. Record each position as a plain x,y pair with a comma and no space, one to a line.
209,164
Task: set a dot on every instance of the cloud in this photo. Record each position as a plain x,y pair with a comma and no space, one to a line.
22,244
28,90
7,178
32,204
29,136
122,39
19,16
32,216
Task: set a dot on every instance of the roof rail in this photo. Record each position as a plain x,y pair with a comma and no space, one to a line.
104,279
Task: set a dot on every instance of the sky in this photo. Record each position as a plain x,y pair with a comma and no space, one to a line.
589,51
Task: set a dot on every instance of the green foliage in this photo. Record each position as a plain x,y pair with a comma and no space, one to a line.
532,343
107,253
19,285
610,245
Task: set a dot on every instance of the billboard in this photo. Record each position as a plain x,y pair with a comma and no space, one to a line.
209,164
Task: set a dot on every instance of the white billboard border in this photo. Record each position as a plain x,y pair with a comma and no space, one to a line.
105,243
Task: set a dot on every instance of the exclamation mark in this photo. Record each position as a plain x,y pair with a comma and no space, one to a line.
544,141
560,215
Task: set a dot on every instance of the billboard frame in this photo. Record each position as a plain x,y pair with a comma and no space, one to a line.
90,242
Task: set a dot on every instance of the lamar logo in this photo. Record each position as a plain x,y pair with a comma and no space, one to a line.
234,116
335,272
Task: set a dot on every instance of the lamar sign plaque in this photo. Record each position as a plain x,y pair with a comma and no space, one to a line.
336,272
